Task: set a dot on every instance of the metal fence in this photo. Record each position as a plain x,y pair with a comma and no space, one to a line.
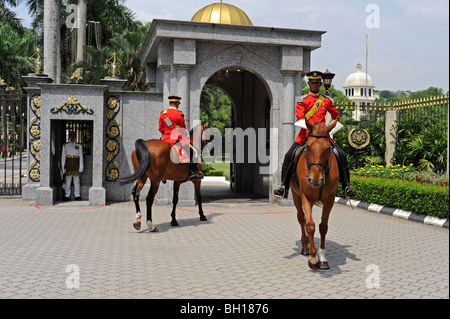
12,142
429,112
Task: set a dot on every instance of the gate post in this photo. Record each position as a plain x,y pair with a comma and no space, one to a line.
391,136
33,133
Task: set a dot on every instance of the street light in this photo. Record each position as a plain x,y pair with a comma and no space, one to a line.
327,80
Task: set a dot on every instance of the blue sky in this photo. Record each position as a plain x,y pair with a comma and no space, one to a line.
408,50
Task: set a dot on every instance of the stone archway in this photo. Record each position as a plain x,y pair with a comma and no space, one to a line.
249,141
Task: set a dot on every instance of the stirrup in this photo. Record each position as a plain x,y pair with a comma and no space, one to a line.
281,192
349,192
194,176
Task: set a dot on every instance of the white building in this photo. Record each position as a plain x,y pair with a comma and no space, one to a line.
359,88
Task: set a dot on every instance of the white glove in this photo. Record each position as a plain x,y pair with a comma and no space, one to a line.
338,126
301,124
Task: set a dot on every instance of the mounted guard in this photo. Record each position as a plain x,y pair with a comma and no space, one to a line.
173,129
313,107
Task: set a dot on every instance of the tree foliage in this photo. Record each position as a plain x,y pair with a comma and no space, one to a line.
15,48
387,96
215,108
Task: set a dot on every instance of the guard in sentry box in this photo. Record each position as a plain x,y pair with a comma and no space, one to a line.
72,165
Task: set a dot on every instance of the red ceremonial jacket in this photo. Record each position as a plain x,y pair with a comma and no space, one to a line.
172,126
302,108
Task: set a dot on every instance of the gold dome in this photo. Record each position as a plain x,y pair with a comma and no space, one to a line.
222,13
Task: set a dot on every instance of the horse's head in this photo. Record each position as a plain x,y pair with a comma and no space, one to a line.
198,137
318,152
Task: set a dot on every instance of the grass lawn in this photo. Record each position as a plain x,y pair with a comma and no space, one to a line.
225,167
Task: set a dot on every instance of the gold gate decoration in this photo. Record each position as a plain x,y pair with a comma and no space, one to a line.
35,139
72,106
112,144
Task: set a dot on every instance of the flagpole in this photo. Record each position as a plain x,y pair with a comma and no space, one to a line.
367,67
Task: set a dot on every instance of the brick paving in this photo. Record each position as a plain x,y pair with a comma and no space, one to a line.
246,250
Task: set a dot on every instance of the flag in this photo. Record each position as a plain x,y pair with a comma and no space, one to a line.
367,45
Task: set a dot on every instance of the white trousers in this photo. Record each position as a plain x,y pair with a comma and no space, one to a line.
76,184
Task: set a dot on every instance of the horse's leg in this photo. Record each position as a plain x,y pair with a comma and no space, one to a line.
150,198
313,261
176,189
323,229
136,193
301,221
197,186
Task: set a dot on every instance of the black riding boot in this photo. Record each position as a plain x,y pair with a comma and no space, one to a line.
194,173
344,172
282,191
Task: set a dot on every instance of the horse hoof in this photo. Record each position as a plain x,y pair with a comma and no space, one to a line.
305,252
203,219
174,223
323,265
137,226
313,266
154,230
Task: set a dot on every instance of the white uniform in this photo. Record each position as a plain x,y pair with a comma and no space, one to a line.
72,150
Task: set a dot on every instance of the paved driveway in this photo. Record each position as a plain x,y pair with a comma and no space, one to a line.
246,249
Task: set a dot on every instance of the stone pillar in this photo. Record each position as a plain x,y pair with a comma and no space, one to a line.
33,133
114,155
184,58
391,137
291,65
183,91
287,117
164,63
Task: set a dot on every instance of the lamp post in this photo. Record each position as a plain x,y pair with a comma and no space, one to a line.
38,64
327,80
114,64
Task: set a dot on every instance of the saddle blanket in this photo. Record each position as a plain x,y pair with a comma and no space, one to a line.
183,155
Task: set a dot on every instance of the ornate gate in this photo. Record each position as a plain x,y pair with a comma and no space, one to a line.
12,141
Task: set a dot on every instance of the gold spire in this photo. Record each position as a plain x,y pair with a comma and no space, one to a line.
222,13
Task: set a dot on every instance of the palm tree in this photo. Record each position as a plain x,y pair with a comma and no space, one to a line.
14,52
126,44
8,16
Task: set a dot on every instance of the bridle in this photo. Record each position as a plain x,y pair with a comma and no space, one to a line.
326,166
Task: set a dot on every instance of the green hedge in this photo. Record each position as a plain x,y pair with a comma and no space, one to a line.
410,196
214,172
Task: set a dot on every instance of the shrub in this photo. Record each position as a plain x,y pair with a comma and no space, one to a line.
420,198
206,168
214,172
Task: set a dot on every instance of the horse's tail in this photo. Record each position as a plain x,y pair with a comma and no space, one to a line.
143,156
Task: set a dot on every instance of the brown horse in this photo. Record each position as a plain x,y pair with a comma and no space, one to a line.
317,174
158,161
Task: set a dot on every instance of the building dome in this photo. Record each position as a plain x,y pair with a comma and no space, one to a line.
222,13
358,79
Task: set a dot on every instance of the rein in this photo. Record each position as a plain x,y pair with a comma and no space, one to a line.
326,166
